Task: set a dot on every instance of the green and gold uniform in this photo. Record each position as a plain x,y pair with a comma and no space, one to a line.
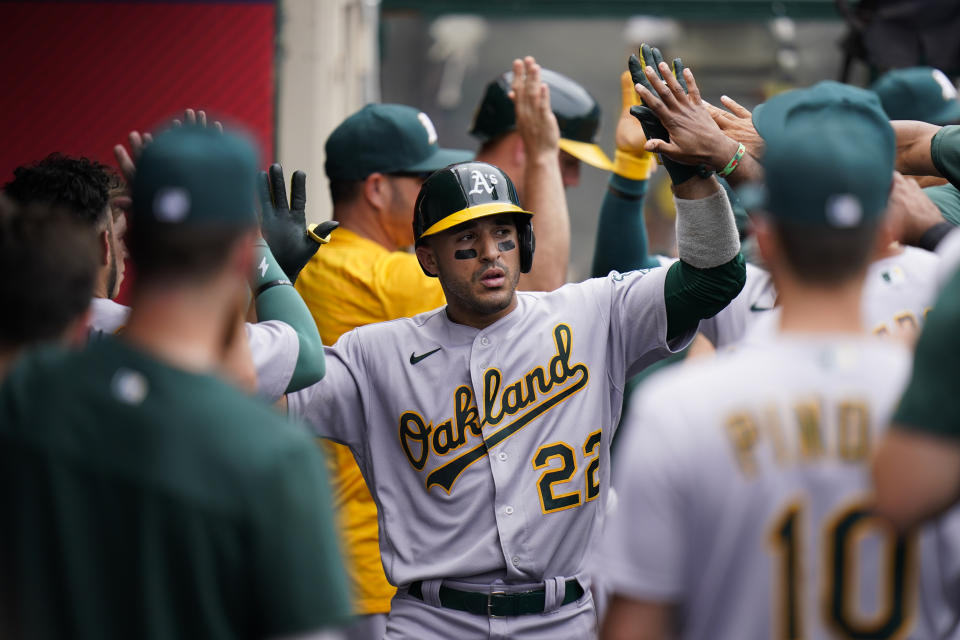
144,501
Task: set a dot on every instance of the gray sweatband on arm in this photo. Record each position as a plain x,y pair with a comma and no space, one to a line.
706,232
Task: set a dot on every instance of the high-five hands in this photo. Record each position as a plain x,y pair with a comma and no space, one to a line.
283,222
675,119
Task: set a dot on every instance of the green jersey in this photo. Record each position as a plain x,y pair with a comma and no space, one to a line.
143,501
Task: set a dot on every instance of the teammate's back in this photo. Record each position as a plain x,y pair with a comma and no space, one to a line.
766,474
164,494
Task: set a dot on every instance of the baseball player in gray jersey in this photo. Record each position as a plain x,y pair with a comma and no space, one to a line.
744,508
482,428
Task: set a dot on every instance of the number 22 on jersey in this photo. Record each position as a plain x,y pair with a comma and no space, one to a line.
842,554
556,498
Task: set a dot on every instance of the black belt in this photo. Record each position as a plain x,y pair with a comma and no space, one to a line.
497,604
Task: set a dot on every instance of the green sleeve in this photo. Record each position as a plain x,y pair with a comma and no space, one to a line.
945,153
947,199
297,572
282,302
929,404
692,294
621,233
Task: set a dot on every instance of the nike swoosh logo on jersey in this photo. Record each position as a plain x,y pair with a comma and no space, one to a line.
754,307
414,358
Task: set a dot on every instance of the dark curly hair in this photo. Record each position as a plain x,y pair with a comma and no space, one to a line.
80,185
48,262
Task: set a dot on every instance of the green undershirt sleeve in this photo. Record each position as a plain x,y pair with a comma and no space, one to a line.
692,294
282,302
621,233
945,153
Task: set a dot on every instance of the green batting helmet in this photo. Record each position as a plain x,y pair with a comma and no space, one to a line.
467,191
578,115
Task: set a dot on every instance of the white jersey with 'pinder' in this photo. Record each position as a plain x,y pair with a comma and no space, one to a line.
743,487
487,450
274,346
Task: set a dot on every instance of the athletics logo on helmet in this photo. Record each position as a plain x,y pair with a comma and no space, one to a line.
467,191
578,115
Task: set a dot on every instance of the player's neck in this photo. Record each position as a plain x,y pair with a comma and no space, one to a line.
181,326
469,318
363,222
810,309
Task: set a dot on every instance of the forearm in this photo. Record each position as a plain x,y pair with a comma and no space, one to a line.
544,195
621,243
913,147
711,271
276,299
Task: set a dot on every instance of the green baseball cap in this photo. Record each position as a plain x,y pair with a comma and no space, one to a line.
829,156
194,175
918,93
386,138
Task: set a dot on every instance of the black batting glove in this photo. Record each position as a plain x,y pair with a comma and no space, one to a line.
652,127
284,224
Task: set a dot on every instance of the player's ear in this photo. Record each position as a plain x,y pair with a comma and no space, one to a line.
375,191
765,234
240,260
428,259
106,248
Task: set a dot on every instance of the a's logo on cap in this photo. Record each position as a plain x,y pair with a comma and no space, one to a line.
481,184
129,387
428,125
171,204
843,210
946,87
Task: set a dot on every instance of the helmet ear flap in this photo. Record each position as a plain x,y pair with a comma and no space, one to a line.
526,241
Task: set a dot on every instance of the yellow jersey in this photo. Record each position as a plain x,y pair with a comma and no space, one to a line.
350,282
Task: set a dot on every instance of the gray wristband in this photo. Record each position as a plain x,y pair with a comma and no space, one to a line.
706,231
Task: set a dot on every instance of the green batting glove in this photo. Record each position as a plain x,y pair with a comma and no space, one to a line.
284,224
652,127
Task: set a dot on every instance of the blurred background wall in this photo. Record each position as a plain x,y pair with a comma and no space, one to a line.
78,76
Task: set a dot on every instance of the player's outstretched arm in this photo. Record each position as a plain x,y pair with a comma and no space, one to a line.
621,243
711,271
276,299
543,192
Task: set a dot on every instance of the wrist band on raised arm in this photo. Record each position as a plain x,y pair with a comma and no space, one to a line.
734,162
272,283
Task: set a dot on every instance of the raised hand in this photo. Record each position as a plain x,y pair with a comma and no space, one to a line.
694,137
536,123
737,123
127,161
653,127
283,223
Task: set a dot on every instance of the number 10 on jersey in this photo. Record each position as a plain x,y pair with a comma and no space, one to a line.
838,566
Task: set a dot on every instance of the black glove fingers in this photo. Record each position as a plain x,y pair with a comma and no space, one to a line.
298,191
678,74
636,71
657,59
263,192
278,188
